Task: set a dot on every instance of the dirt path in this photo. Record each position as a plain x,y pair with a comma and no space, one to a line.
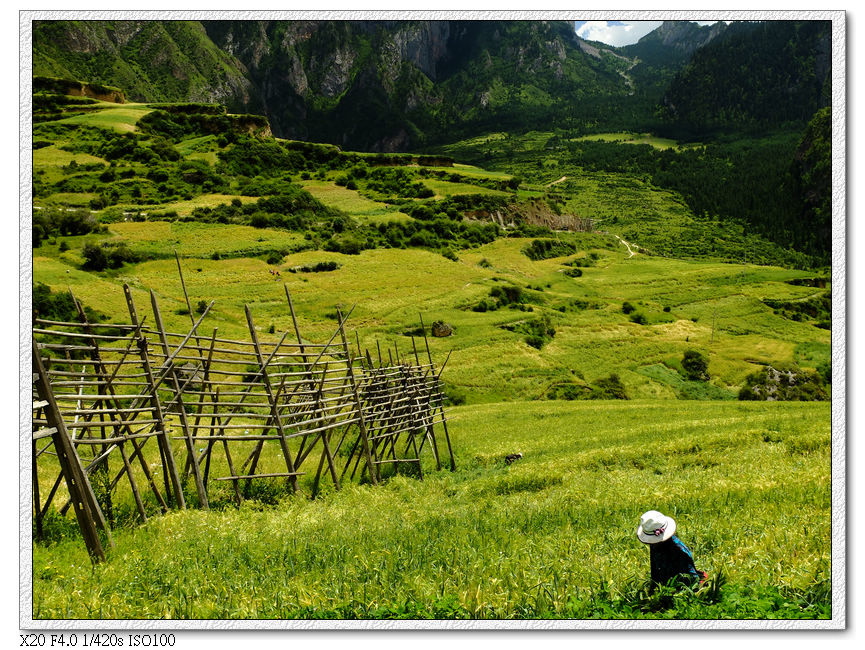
631,253
563,178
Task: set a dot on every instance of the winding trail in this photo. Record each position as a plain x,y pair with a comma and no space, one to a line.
631,253
563,178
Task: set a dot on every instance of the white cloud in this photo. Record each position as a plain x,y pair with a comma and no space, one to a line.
625,32
620,33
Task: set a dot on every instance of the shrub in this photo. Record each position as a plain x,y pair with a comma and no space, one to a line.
695,365
542,249
94,257
783,382
627,307
454,395
610,387
120,255
569,392
639,318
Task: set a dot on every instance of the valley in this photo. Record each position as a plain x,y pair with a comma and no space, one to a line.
578,264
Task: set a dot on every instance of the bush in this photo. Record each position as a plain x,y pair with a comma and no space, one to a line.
569,392
695,365
639,318
120,255
94,257
542,249
453,395
610,387
627,308
784,382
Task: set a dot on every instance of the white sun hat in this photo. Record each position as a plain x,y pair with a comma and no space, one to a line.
655,527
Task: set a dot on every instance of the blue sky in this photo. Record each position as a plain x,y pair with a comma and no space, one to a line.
620,32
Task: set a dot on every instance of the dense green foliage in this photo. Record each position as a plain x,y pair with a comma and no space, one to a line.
54,223
171,60
811,184
756,75
695,365
784,382
59,306
732,186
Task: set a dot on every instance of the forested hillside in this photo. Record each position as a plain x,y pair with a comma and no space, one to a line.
757,75
744,91
380,85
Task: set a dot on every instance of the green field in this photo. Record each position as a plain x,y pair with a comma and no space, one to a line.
551,536
448,188
119,117
633,138
349,201
715,308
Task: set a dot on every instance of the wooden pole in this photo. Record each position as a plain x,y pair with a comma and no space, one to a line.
441,408
178,391
102,372
169,468
83,500
373,469
277,421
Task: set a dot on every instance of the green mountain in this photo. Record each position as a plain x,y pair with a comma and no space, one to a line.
149,60
755,76
661,54
383,85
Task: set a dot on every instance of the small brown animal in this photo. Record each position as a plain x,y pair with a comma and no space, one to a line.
511,458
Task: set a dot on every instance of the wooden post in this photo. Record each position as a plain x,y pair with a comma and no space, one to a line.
430,429
169,468
271,398
373,469
441,408
37,501
178,391
102,372
80,490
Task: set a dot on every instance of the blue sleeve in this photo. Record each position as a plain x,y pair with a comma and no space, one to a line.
688,557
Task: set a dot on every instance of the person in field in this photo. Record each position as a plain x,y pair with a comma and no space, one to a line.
669,557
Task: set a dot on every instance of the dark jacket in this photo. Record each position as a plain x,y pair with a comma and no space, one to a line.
670,559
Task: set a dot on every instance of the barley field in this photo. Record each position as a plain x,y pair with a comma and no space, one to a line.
550,536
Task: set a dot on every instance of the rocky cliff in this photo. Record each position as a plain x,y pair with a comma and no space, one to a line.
377,85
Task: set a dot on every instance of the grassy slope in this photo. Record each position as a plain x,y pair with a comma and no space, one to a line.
491,362
550,536
655,219
350,201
